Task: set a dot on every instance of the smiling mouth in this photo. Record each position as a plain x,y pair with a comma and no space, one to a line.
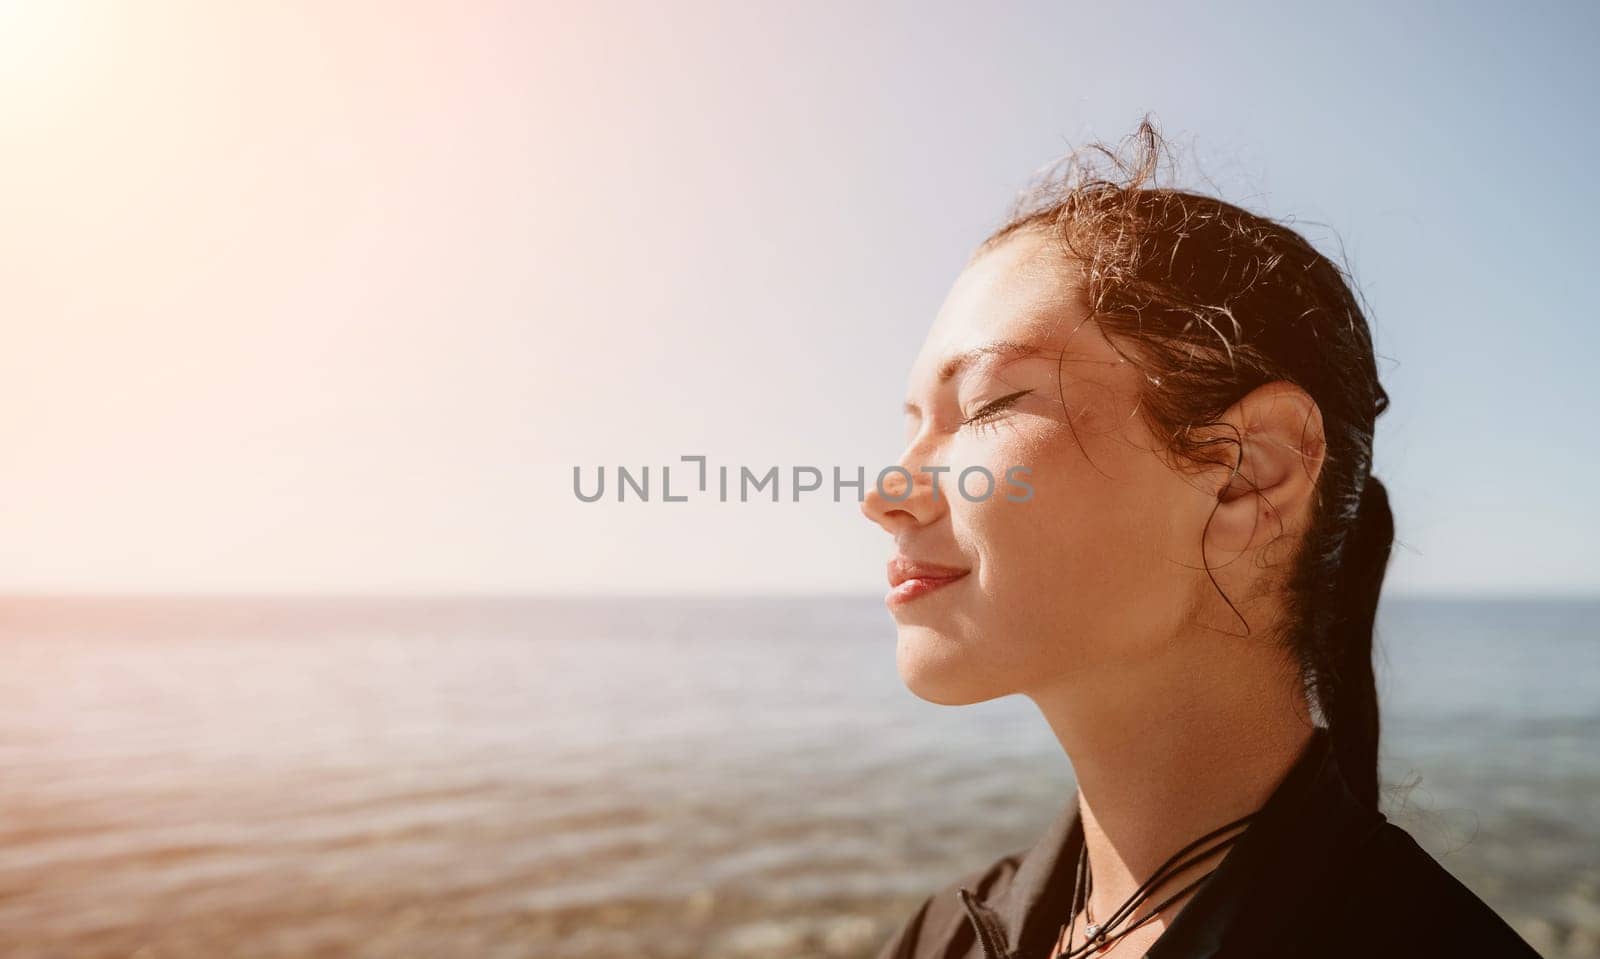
917,587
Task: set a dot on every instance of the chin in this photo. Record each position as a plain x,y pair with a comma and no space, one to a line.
940,668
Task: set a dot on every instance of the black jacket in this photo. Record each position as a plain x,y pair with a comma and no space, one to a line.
1315,874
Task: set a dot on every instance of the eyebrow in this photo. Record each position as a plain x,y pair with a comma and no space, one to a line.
958,362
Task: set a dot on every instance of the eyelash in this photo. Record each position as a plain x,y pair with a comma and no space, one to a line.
994,408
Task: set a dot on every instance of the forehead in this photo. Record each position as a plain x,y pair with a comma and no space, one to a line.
1023,290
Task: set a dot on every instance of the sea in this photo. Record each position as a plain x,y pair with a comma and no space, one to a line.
641,777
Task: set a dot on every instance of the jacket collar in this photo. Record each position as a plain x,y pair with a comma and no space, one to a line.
1256,889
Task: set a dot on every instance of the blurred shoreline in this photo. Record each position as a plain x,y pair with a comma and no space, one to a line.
587,777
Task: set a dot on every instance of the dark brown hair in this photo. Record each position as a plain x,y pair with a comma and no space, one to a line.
1211,301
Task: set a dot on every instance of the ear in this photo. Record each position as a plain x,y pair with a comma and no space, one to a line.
1282,449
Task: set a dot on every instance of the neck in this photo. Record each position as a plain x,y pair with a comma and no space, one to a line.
1171,751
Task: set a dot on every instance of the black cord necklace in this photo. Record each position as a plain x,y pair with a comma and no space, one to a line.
1098,935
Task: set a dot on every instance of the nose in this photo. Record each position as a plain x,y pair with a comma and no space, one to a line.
904,497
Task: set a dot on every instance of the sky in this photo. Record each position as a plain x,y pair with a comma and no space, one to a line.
333,297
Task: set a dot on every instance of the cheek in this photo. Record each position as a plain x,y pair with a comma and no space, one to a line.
1082,555
1071,538
1048,537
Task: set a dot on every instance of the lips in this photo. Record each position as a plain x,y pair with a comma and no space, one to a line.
902,569
910,579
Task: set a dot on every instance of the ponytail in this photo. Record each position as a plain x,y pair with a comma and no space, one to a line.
1348,693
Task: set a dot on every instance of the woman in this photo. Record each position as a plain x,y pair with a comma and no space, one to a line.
1187,589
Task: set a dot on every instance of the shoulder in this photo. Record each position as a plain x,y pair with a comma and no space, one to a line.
1390,891
939,927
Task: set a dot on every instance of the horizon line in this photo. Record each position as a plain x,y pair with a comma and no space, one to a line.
1467,595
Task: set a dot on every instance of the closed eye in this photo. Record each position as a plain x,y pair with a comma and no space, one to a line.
992,409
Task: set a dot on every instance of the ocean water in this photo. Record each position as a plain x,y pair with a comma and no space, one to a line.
650,777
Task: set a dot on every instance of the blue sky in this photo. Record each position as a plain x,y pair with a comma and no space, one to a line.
321,298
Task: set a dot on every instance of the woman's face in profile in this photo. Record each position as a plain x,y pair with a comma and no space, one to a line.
1100,563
